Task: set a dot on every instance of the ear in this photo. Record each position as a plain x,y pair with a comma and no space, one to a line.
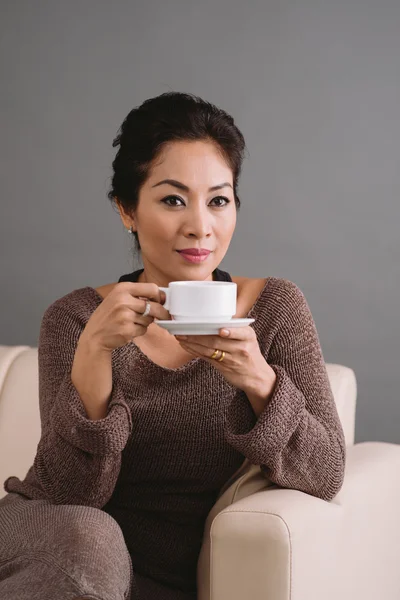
132,224
127,220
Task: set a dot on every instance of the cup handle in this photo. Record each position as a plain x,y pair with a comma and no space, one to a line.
167,296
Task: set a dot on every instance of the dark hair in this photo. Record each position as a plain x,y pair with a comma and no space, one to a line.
172,116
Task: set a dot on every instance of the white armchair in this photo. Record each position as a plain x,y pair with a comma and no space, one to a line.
263,542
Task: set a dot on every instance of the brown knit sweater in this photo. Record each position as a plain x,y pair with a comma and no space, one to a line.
173,437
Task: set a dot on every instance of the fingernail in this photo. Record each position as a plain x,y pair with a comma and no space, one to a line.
225,331
181,337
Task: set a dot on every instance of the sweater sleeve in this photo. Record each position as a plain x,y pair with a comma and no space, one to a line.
78,460
298,439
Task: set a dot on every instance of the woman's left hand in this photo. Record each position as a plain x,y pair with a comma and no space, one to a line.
243,365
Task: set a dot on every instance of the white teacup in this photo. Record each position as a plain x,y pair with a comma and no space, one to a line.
201,300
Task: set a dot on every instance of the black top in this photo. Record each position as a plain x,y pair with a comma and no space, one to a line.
218,275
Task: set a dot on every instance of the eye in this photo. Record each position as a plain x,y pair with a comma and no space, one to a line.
221,198
165,200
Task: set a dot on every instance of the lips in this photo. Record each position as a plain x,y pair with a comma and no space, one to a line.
195,252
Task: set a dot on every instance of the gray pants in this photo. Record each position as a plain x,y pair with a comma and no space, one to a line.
63,552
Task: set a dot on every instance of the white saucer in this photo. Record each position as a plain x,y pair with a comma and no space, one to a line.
201,327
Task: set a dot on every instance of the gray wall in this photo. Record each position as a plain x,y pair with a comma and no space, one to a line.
315,88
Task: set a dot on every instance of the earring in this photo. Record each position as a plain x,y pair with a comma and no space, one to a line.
130,230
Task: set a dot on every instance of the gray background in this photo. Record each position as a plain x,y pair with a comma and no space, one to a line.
314,87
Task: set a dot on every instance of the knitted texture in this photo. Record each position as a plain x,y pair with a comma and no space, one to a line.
173,437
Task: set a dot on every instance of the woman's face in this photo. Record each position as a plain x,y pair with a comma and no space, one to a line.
185,214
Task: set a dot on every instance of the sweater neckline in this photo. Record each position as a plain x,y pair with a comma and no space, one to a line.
150,363
218,275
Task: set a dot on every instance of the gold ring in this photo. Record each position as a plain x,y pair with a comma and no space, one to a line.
215,353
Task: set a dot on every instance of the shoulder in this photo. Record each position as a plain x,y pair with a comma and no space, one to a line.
62,324
76,305
279,302
287,296
286,290
271,288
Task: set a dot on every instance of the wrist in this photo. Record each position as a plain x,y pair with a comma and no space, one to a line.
91,347
91,375
260,390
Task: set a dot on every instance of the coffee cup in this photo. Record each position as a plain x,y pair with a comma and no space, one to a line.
208,301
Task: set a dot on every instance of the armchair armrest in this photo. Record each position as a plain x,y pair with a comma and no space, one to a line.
280,544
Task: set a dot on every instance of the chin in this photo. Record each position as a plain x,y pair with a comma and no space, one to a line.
193,271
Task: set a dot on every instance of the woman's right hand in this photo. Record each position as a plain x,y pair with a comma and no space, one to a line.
119,319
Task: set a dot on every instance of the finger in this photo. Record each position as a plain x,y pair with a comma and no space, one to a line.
157,311
135,296
237,333
191,350
140,320
147,290
206,353
205,350
208,341
142,331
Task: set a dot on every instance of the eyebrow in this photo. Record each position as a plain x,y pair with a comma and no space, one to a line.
185,188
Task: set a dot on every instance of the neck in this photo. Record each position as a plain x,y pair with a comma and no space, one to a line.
143,278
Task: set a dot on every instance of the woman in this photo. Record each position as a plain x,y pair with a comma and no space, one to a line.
141,429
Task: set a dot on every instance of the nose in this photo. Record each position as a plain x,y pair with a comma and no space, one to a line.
197,223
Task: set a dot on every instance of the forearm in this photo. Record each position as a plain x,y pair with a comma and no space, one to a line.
92,377
69,475
85,419
293,447
297,438
260,391
79,457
